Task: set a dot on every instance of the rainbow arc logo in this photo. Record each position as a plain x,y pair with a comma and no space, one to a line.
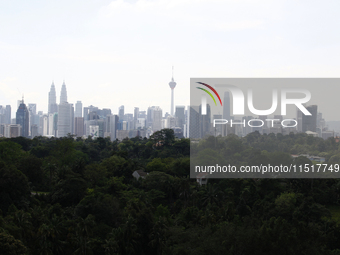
208,92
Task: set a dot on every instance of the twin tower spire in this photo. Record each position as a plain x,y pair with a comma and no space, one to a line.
52,97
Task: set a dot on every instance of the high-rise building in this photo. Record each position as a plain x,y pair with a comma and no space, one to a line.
111,126
72,119
2,114
79,126
94,131
52,100
43,125
55,124
128,117
142,114
205,121
32,109
172,85
93,116
122,134
50,124
34,131
180,116
65,119
22,118
149,116
218,129
2,129
226,106
135,117
246,129
309,121
63,94
157,119
140,123
87,110
299,120
8,114
121,112
170,122
136,113
87,124
193,129
105,112
12,130
101,125
79,110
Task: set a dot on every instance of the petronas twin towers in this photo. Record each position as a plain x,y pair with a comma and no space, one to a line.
64,112
52,98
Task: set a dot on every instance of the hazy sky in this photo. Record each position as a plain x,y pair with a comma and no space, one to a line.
114,53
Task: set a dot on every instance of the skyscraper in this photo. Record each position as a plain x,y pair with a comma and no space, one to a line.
32,109
205,121
2,114
65,119
105,112
79,110
79,126
63,93
43,125
121,112
111,126
157,119
136,113
22,118
172,85
309,121
135,117
142,114
50,124
218,129
8,114
180,117
299,120
193,122
226,106
52,100
87,110
149,116
93,116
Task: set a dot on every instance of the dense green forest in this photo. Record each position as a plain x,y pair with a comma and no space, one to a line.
75,196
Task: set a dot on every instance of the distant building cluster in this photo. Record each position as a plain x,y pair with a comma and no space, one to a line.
202,125
64,118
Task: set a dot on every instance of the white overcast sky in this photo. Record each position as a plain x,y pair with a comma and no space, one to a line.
114,53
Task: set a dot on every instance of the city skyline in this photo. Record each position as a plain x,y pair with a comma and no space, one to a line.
53,98
66,118
113,53
96,122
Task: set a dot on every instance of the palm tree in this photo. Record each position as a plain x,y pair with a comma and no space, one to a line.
23,221
51,169
126,236
83,232
185,190
212,195
45,245
158,235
